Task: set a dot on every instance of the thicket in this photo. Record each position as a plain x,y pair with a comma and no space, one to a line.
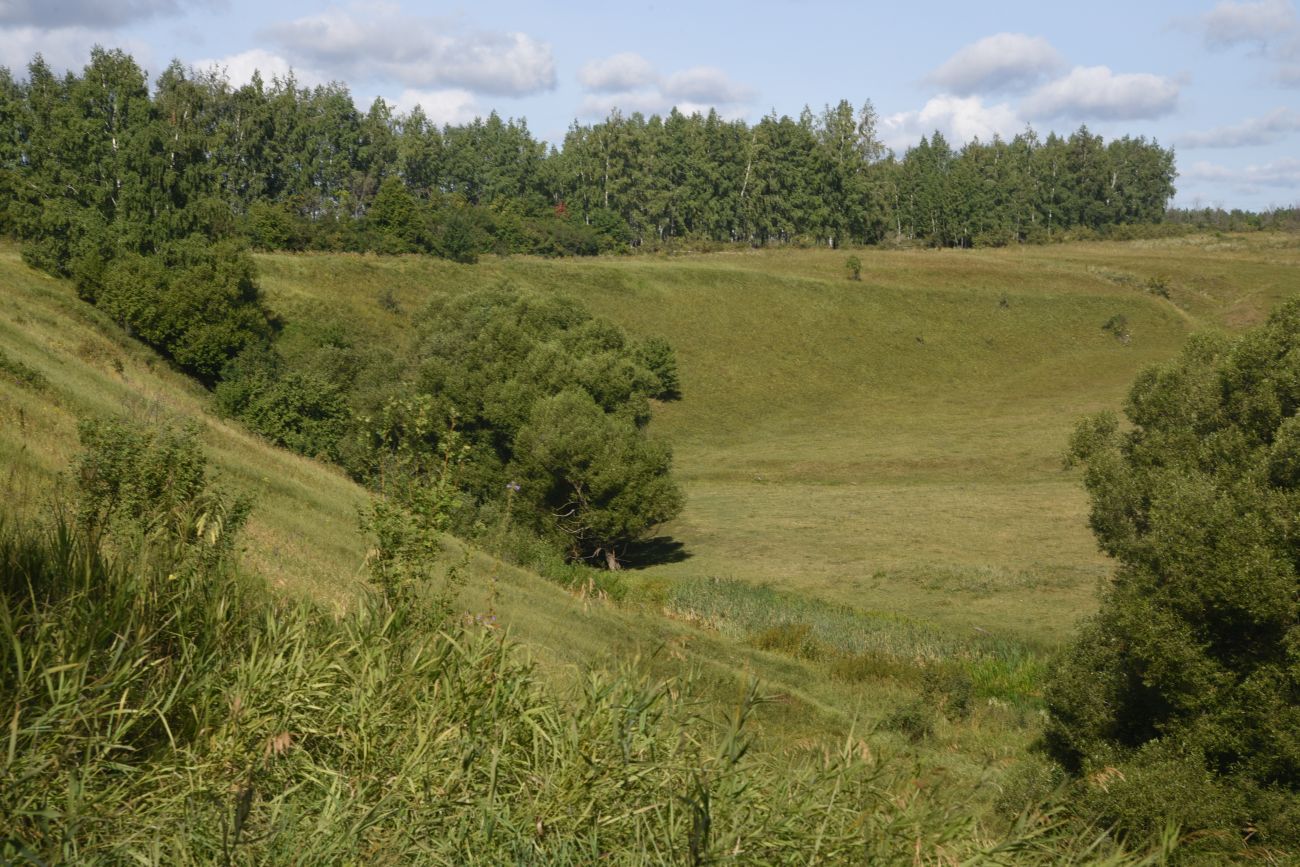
288,167
1180,700
162,708
549,405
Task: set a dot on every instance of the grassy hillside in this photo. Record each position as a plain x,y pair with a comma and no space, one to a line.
873,469
892,444
62,361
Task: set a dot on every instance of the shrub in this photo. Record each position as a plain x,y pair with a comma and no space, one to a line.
195,301
1187,681
853,267
300,411
151,481
658,356
548,397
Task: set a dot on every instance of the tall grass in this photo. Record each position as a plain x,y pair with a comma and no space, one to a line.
858,641
185,717
162,708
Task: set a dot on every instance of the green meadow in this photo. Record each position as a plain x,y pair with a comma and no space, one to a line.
873,469
892,444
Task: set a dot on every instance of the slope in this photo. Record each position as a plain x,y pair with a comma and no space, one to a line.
892,444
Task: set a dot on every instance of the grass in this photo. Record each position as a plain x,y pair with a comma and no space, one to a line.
163,708
872,468
891,444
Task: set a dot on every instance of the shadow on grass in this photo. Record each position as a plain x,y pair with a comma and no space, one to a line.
654,552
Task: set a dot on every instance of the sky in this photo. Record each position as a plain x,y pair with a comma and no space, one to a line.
1218,81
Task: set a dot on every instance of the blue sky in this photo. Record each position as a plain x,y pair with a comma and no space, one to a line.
1219,81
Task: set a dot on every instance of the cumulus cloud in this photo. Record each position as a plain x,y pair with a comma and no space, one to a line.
238,68
1268,129
959,118
650,101
1255,22
1094,92
706,85
1269,28
623,72
450,106
61,14
63,48
371,40
629,83
1283,173
1004,62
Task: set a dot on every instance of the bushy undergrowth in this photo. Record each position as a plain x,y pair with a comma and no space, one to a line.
162,708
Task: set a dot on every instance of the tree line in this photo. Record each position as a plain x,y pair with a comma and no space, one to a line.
291,167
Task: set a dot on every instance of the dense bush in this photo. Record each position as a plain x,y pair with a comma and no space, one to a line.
594,480
1181,699
551,403
299,410
194,301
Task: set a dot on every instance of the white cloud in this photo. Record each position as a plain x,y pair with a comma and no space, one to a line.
63,48
628,83
239,68
1256,22
959,118
375,39
61,14
1268,129
706,85
1284,173
999,63
452,106
623,72
1096,92
600,105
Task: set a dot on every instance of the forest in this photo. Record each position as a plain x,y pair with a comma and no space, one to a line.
291,167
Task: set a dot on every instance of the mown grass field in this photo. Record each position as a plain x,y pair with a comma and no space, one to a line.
893,444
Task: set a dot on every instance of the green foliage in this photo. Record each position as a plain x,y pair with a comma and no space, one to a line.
546,397
1189,677
595,480
104,159
152,480
271,226
407,524
853,267
459,236
300,411
194,301
658,356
